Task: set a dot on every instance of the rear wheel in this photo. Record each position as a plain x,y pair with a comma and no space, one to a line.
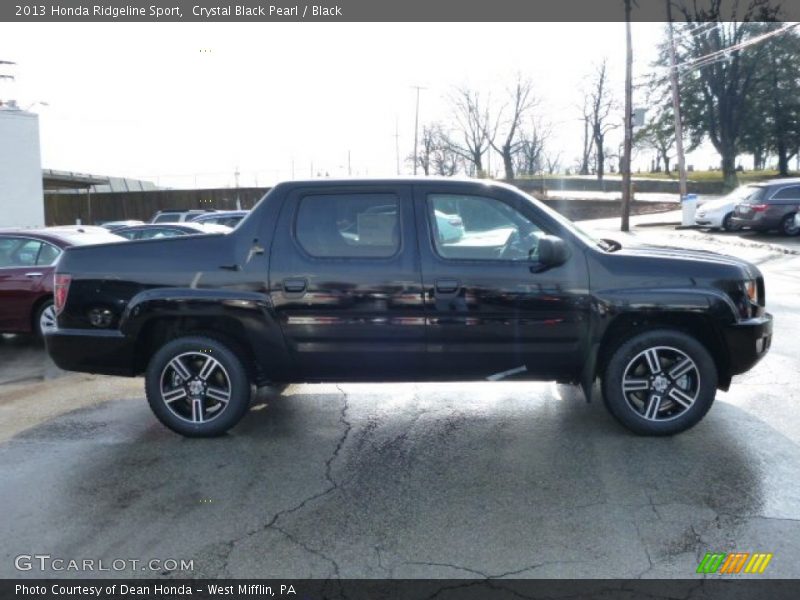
197,386
660,382
788,226
45,319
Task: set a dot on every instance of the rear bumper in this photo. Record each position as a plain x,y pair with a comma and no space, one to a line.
760,222
748,342
91,351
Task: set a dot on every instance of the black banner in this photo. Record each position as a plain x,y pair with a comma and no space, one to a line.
372,10
382,589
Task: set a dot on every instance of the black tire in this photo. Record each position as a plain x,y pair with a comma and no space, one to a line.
727,223
668,405
788,227
186,402
47,308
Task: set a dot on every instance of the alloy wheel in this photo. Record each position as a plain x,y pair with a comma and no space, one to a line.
195,387
47,319
661,383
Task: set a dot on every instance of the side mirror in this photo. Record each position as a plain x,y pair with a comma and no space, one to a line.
552,252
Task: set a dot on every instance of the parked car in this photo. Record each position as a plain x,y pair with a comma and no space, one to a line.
718,213
27,259
229,218
150,231
177,216
114,225
772,205
291,296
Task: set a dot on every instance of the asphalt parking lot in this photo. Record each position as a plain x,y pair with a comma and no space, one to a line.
408,480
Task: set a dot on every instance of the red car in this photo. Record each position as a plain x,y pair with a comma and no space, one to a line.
27,261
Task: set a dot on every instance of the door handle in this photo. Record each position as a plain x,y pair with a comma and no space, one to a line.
447,286
294,286
33,274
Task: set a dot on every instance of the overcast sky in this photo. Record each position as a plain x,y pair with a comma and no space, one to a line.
186,104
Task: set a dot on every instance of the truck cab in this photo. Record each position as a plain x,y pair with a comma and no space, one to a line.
418,279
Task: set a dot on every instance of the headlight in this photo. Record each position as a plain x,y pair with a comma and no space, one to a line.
751,289
747,299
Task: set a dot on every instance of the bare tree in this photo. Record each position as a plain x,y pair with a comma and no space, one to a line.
509,123
552,162
431,136
529,159
601,107
474,134
588,140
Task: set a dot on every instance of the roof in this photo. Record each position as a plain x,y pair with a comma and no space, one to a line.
69,181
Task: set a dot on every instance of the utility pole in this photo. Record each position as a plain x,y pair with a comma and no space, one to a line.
416,126
676,106
626,153
349,168
397,143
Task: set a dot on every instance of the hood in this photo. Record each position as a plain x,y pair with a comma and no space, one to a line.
717,204
705,258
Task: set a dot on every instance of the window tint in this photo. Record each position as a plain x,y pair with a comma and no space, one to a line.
168,218
475,227
48,255
150,234
349,225
790,193
19,252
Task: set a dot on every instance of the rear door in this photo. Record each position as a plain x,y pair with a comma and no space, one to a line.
25,265
346,285
490,308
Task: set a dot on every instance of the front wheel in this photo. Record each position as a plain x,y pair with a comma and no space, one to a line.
197,386
728,224
660,382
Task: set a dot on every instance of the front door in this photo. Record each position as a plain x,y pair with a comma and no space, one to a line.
346,285
491,309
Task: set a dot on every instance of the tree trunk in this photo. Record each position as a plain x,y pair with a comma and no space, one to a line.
508,162
783,157
729,178
601,160
666,165
477,160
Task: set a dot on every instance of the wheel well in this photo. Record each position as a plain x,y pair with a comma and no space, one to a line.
698,326
157,332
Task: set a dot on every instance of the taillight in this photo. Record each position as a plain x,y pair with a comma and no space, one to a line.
759,207
60,291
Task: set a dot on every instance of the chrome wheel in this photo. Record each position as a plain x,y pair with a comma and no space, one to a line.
661,383
788,226
47,319
195,387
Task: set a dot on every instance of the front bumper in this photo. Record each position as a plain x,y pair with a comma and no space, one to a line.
105,352
747,342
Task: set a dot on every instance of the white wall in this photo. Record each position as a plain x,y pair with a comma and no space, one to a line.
21,195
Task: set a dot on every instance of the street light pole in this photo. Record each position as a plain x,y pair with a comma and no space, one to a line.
416,126
626,153
676,106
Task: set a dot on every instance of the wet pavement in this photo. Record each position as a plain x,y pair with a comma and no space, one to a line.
406,480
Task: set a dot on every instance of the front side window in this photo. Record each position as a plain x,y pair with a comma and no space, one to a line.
481,228
349,225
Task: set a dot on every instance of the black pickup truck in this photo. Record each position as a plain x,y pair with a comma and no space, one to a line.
400,280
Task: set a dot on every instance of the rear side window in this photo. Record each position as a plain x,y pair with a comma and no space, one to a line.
19,252
789,193
349,225
48,255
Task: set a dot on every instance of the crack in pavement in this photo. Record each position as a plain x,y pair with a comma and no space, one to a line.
332,485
